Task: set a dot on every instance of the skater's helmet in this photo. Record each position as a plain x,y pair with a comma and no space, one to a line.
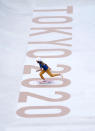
38,59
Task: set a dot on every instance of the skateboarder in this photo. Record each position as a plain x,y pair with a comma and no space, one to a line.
44,68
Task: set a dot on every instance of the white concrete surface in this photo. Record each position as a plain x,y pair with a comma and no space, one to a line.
15,23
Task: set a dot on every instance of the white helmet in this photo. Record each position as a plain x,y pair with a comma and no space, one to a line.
38,59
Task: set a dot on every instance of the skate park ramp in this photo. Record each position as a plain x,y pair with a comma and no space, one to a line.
61,33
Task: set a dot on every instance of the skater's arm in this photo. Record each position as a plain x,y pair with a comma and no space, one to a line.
49,67
40,67
39,70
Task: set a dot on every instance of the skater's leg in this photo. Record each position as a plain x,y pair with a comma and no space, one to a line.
41,74
51,74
